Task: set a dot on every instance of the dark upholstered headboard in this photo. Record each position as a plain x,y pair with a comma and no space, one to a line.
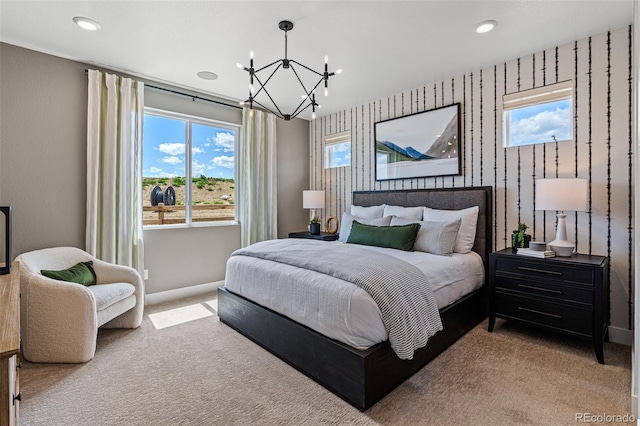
441,198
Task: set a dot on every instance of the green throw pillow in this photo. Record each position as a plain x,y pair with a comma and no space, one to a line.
81,273
397,237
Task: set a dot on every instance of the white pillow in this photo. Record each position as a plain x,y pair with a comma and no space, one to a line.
373,212
466,233
347,221
414,213
433,237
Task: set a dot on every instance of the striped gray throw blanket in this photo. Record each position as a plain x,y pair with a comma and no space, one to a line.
402,293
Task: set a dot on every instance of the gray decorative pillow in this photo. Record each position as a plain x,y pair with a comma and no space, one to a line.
467,233
347,221
433,237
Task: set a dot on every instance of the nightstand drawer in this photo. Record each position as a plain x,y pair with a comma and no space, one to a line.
547,288
550,270
549,314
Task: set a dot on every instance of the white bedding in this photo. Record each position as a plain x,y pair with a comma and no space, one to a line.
336,308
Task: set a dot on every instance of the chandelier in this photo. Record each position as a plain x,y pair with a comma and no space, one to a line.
309,96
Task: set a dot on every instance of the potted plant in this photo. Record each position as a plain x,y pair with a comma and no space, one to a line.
314,226
519,237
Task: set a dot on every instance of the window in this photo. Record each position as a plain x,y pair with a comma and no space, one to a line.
539,115
337,150
188,167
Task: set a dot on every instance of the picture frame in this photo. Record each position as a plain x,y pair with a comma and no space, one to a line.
423,144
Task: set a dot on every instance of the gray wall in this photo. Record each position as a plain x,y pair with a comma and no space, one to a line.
43,169
293,150
43,132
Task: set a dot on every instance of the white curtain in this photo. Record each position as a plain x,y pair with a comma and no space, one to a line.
257,178
114,169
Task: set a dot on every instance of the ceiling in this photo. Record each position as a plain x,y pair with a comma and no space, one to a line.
383,47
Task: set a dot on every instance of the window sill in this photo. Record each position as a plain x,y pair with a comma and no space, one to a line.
192,225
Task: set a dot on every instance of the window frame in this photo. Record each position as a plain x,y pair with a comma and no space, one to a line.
564,90
193,119
336,139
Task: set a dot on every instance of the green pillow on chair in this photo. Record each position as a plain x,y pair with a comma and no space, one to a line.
81,273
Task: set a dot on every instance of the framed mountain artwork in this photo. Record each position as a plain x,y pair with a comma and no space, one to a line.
424,144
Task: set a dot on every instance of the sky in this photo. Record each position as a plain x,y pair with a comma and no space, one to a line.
163,151
341,154
539,123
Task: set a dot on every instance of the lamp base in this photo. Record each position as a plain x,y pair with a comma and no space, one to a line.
562,248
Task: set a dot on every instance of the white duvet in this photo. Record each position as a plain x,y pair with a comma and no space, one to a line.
339,309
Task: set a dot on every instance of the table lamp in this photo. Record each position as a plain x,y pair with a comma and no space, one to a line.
561,194
313,200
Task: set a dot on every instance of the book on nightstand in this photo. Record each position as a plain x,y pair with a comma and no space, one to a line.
535,253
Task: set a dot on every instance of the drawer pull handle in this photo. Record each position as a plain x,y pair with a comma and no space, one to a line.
540,288
542,271
539,312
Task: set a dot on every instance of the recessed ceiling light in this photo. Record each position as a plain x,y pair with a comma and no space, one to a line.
86,23
486,26
207,75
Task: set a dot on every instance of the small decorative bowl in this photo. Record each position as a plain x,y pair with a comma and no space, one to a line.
538,245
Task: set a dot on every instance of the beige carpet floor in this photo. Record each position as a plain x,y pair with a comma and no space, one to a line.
201,372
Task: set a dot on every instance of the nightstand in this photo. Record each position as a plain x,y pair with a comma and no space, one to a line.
324,236
569,295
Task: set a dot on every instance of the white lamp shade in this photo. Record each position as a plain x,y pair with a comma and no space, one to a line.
313,199
564,194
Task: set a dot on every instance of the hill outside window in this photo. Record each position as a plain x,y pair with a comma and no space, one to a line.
188,169
543,114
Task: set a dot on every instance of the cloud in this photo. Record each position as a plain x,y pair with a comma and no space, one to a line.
541,127
226,141
197,168
342,147
224,161
156,172
172,160
197,150
176,148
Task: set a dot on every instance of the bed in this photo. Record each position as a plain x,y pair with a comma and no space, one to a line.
363,377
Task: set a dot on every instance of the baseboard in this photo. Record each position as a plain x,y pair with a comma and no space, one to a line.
181,293
620,335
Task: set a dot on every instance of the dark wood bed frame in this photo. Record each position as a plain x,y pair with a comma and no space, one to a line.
362,378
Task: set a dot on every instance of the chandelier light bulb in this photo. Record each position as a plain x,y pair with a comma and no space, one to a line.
326,59
251,54
326,91
339,71
239,65
251,89
313,116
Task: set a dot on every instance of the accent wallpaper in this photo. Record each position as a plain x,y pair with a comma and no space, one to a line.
601,67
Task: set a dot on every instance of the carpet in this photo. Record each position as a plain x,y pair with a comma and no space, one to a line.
182,371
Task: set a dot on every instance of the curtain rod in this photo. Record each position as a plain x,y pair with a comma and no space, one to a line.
193,97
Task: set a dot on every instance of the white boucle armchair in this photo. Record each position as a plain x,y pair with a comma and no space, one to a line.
59,320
